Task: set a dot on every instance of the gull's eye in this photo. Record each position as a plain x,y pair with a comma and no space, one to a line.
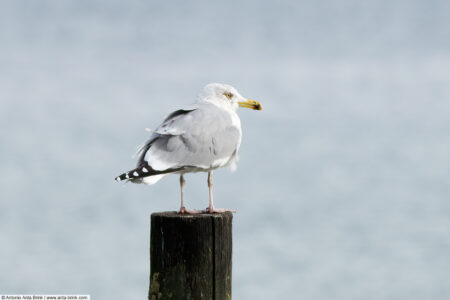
228,95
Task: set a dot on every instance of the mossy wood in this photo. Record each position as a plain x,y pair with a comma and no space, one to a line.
190,256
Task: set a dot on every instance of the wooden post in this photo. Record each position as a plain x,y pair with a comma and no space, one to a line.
190,256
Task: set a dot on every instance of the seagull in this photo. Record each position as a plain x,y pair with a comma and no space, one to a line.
200,138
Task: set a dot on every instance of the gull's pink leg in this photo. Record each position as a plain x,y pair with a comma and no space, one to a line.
183,209
211,208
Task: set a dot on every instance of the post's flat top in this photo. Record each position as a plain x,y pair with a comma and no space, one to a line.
175,214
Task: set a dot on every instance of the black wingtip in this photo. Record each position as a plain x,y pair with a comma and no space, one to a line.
143,171
121,177
139,172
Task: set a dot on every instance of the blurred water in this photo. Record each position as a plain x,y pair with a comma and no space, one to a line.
342,187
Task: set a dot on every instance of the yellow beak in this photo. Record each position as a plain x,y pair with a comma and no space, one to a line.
251,104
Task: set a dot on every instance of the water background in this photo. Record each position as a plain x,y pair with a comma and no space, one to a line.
342,190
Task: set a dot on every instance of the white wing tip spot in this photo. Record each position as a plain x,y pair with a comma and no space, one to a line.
144,169
135,173
118,178
127,176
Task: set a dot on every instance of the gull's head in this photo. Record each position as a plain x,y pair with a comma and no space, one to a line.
226,96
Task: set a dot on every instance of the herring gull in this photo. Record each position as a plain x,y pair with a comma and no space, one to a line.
200,138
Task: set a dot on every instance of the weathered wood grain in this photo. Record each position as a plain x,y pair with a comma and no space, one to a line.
190,256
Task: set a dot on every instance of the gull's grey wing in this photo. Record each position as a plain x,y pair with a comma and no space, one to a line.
202,138
163,128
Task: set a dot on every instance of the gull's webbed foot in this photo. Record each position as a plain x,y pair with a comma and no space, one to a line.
213,210
183,210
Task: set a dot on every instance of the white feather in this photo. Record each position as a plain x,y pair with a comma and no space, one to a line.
152,179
